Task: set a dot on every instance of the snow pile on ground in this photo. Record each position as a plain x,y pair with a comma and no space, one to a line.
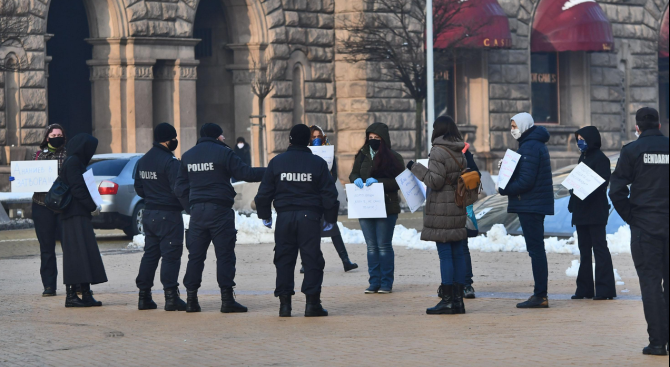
497,240
573,272
250,230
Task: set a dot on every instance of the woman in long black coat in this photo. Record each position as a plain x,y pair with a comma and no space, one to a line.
590,216
82,263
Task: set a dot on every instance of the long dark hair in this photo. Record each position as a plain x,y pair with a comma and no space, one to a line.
445,127
385,164
51,128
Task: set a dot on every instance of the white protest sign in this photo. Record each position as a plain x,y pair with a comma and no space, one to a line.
424,162
92,187
509,164
413,190
34,176
326,152
583,180
367,202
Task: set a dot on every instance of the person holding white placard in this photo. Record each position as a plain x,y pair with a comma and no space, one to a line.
375,163
444,221
531,195
82,263
590,216
47,223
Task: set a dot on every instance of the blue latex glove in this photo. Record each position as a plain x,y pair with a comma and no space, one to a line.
267,223
371,181
328,226
359,183
11,179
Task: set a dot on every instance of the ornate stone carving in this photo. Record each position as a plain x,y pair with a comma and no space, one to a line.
188,72
106,72
141,72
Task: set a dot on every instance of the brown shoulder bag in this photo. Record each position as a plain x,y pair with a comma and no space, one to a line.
469,184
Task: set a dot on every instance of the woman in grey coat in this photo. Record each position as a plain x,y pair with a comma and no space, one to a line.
444,222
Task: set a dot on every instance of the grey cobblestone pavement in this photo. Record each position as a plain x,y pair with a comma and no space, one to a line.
363,330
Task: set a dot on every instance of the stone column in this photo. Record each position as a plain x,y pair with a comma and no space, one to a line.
108,106
139,110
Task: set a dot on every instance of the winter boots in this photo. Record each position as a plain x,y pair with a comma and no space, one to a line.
49,292
469,292
172,300
228,303
87,296
451,303
285,306
71,298
192,304
146,302
313,307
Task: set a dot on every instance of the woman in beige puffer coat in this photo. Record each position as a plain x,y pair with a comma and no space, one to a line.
444,221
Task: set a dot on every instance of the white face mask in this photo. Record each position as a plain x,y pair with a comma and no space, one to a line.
240,145
516,133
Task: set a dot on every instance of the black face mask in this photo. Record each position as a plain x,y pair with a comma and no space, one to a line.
57,142
173,144
375,144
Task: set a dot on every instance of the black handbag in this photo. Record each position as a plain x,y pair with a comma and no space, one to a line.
59,197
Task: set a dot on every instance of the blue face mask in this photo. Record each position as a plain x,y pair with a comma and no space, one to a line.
317,142
582,145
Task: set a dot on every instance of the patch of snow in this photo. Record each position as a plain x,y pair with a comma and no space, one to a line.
15,196
573,272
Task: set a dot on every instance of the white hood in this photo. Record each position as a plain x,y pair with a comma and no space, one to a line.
524,121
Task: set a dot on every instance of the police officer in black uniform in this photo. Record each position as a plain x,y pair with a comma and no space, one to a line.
155,177
644,166
204,178
303,191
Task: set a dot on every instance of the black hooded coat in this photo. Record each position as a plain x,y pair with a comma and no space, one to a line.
80,151
595,209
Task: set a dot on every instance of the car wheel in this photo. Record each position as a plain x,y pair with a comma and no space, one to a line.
136,227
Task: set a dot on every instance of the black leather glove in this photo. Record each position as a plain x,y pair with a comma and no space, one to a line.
410,164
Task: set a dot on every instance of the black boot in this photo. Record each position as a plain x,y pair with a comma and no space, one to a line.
459,306
534,302
146,302
313,307
49,292
655,350
344,256
87,296
192,304
71,298
446,305
469,292
228,303
285,306
172,300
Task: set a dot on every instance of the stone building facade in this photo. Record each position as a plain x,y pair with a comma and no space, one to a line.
188,62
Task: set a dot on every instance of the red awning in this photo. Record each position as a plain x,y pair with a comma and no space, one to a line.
571,25
471,24
663,37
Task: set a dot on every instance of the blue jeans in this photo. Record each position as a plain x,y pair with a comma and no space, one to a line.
452,262
532,226
378,235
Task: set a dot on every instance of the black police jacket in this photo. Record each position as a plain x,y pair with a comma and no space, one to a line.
206,170
643,165
155,178
298,180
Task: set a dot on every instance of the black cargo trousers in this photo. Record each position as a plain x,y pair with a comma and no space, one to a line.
211,223
650,255
298,231
163,238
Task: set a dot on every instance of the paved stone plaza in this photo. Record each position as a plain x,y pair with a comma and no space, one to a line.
363,330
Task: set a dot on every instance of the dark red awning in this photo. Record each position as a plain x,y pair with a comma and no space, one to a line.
663,37
473,24
571,25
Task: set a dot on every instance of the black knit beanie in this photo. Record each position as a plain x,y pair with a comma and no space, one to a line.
164,132
300,135
210,130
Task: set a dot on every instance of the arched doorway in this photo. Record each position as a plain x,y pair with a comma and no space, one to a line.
69,87
214,87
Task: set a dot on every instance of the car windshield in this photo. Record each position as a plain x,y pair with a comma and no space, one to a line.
109,168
